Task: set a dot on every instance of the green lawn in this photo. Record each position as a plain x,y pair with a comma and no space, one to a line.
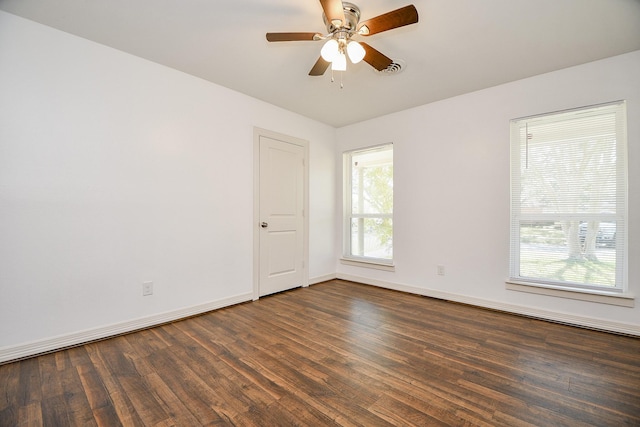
556,267
546,257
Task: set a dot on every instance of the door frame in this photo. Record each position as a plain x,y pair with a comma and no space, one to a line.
257,133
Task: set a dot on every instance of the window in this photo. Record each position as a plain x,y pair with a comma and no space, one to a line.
369,205
568,199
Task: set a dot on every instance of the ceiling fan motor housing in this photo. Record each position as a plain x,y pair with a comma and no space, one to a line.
351,16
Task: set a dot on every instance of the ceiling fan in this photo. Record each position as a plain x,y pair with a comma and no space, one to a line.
342,20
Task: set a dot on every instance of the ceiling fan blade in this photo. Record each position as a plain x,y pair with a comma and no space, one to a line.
319,68
397,18
334,11
374,58
291,37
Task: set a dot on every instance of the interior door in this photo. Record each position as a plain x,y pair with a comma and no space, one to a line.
281,215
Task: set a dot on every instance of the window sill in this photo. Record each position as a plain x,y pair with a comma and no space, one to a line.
368,264
603,297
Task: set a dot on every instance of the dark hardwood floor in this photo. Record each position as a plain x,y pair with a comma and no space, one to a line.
337,353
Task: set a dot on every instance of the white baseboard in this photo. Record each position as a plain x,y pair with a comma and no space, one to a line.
33,348
69,340
569,319
320,279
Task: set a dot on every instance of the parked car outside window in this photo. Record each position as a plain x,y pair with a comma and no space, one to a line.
606,235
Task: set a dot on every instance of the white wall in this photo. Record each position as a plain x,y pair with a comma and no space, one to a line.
114,171
451,204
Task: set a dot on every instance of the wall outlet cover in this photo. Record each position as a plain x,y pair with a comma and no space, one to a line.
147,288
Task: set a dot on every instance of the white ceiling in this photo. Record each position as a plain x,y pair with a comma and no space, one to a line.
458,46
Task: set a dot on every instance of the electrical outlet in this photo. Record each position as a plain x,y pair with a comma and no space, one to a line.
147,288
440,270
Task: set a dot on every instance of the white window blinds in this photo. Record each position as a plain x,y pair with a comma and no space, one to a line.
568,198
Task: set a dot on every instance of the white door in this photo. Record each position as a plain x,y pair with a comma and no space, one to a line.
281,221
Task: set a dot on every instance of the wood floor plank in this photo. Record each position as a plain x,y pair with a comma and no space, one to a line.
97,395
30,390
337,353
222,376
55,411
75,399
179,413
9,393
144,399
128,370
122,406
399,414
299,412
126,413
50,376
29,415
204,403
146,342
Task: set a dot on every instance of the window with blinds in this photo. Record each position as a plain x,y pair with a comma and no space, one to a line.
569,199
369,204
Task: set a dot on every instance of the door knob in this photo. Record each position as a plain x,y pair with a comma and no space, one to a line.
264,225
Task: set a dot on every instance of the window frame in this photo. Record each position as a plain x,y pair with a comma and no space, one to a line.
347,257
620,216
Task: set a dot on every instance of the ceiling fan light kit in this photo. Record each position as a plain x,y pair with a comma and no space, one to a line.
342,21
333,50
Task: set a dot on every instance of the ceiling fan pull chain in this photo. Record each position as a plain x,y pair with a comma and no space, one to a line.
341,85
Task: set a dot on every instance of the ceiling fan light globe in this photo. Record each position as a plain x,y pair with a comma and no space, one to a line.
330,50
356,52
339,63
